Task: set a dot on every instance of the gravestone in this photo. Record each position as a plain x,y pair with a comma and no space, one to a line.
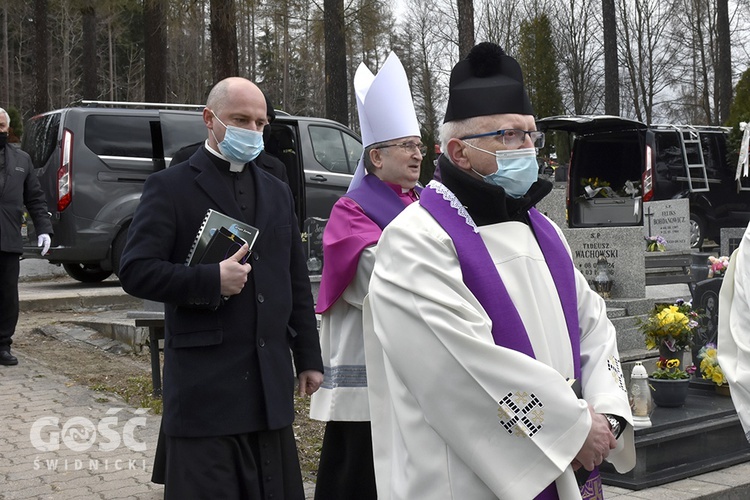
621,246
312,238
623,249
730,239
706,298
553,205
669,219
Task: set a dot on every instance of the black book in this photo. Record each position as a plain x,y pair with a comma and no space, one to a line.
211,226
222,245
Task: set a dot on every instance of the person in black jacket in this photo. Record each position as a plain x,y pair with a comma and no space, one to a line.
231,329
266,161
19,186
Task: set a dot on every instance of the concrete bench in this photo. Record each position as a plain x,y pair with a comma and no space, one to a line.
668,268
155,333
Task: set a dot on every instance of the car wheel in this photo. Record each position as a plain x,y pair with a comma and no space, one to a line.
697,230
117,247
86,273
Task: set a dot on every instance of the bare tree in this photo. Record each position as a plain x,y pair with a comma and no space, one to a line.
41,75
611,67
724,64
498,23
647,50
223,39
465,26
421,54
6,66
155,49
579,53
335,55
89,64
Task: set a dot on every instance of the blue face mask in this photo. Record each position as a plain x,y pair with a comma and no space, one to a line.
240,145
517,170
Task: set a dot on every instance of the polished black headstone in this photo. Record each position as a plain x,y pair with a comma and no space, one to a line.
703,435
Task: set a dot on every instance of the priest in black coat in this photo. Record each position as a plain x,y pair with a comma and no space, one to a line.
235,333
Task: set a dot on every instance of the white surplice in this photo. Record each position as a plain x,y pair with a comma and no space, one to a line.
343,396
734,330
443,396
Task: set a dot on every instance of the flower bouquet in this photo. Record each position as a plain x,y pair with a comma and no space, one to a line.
717,266
595,187
655,243
670,327
710,369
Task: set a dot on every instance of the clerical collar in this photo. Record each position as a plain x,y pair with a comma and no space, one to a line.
487,203
397,188
233,165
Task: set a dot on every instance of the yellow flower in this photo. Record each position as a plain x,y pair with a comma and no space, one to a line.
673,363
718,377
672,317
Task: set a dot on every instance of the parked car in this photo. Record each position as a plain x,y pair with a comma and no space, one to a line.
92,161
663,161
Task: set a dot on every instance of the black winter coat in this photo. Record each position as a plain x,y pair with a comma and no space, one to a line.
21,189
227,364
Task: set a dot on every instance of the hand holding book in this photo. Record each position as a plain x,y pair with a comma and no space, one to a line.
221,233
233,271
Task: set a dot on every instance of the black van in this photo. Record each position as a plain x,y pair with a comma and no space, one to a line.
92,161
662,161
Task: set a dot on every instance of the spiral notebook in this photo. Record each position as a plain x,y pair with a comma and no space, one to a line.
210,227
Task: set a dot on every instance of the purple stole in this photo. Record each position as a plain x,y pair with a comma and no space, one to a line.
381,205
379,202
482,278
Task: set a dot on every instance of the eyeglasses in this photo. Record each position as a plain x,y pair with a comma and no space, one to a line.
409,146
513,137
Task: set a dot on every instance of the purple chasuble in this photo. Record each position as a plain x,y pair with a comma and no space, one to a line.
481,277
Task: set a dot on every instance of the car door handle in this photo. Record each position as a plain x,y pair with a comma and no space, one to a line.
319,178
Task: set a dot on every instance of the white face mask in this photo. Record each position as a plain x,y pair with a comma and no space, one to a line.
517,170
240,145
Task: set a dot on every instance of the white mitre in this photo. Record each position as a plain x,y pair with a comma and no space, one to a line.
386,110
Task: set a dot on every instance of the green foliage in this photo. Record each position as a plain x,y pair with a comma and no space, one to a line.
537,57
16,125
739,112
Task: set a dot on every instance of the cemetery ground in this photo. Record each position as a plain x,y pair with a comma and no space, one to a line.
70,374
78,375
126,376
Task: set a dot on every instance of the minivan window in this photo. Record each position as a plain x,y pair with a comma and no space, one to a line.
117,135
330,150
40,138
714,158
353,150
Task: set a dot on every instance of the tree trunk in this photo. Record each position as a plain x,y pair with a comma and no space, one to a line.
155,49
6,67
223,39
335,47
89,61
111,53
724,69
611,71
41,74
466,27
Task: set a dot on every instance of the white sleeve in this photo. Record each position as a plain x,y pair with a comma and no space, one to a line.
734,330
